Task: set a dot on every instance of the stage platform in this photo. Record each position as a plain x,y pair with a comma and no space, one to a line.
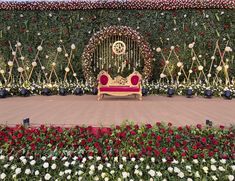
86,110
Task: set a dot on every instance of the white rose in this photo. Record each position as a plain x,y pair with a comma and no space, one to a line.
233,167
213,168
223,161
172,47
66,164
194,58
197,175
162,75
106,179
46,56
179,73
200,67
221,169
125,174
226,66
167,62
2,71
67,69
39,48
73,46
36,173
141,159
228,49
152,159
214,177
18,44
53,166
219,68
47,176
20,69
17,171
151,173
179,64
209,75
189,179
92,167
170,169
190,71
176,170
191,45
42,67
32,162
74,74
181,175
53,64
159,174
120,166
27,171
205,169
68,177
10,63
3,176
34,64
230,177
59,49
45,165
66,55
13,53
213,58
100,167
158,49
112,172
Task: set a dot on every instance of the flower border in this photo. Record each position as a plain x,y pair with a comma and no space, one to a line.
112,31
136,4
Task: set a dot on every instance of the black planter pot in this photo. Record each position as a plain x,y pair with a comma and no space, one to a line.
189,93
208,93
3,93
24,92
227,94
62,91
78,91
170,92
46,92
144,92
94,91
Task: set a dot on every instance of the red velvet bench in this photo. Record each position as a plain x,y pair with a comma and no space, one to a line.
119,86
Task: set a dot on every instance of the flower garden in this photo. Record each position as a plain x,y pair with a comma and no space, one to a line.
127,152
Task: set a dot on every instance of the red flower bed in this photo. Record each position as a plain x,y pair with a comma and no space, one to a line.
129,140
132,4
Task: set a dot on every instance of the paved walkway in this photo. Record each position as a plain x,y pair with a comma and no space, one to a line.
79,110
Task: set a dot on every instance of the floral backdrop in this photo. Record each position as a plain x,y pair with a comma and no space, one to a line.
191,47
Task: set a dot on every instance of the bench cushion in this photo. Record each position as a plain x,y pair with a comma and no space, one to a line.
104,79
135,79
120,89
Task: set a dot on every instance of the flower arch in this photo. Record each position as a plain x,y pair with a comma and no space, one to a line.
107,32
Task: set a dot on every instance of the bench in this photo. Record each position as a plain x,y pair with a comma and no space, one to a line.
119,86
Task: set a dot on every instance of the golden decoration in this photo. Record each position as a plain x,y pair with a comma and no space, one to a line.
119,47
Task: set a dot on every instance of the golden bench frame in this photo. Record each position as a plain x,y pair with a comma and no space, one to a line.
118,82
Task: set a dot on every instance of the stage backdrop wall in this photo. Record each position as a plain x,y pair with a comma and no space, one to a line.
40,33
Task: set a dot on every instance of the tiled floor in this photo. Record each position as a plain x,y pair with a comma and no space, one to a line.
73,110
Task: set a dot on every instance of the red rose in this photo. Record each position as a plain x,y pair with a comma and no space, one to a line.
195,156
164,150
203,139
157,153
199,126
133,132
159,138
148,126
169,124
20,135
183,154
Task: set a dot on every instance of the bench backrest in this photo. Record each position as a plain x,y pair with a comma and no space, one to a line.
105,79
